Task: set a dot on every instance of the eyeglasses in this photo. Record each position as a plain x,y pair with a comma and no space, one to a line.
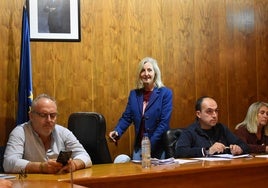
46,115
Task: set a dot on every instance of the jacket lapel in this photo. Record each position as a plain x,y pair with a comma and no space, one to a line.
140,100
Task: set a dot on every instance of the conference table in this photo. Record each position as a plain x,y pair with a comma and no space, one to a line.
241,172
42,184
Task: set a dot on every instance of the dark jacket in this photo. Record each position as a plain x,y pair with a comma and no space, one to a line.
193,139
156,116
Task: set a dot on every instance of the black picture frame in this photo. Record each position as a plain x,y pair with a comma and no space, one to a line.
54,20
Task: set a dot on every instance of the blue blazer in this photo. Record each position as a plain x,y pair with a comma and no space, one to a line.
157,116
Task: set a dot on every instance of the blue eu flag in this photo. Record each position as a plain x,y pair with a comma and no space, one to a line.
25,90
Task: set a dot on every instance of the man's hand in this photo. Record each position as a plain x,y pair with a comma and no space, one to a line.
235,149
217,147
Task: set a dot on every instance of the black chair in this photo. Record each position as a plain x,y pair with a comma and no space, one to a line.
2,152
170,139
90,130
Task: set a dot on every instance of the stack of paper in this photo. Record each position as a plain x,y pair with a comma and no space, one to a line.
223,157
156,161
230,156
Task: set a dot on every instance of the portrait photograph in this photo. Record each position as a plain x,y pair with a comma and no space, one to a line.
54,20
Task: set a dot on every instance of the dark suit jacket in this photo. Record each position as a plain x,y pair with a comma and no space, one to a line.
157,116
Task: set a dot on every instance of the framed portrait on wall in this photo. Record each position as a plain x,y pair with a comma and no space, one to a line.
54,20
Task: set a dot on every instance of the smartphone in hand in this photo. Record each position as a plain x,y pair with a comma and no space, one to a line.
64,156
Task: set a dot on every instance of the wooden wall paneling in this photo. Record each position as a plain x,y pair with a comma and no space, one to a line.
210,77
229,56
242,72
180,76
44,57
110,68
90,49
71,93
261,32
224,61
156,40
10,50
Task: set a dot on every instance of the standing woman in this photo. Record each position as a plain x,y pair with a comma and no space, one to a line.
149,109
254,130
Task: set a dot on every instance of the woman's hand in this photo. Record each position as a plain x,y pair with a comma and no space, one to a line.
113,135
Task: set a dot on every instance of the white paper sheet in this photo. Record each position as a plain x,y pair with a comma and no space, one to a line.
184,161
230,156
212,159
262,156
6,176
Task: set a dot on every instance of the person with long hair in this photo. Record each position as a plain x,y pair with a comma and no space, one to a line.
254,129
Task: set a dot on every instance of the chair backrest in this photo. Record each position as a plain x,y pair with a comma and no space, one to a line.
2,152
170,139
90,130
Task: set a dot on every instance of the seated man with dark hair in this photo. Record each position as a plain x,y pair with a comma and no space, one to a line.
206,136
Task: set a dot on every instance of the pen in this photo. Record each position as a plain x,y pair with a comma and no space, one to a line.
227,147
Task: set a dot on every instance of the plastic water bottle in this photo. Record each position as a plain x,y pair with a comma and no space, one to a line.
146,151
